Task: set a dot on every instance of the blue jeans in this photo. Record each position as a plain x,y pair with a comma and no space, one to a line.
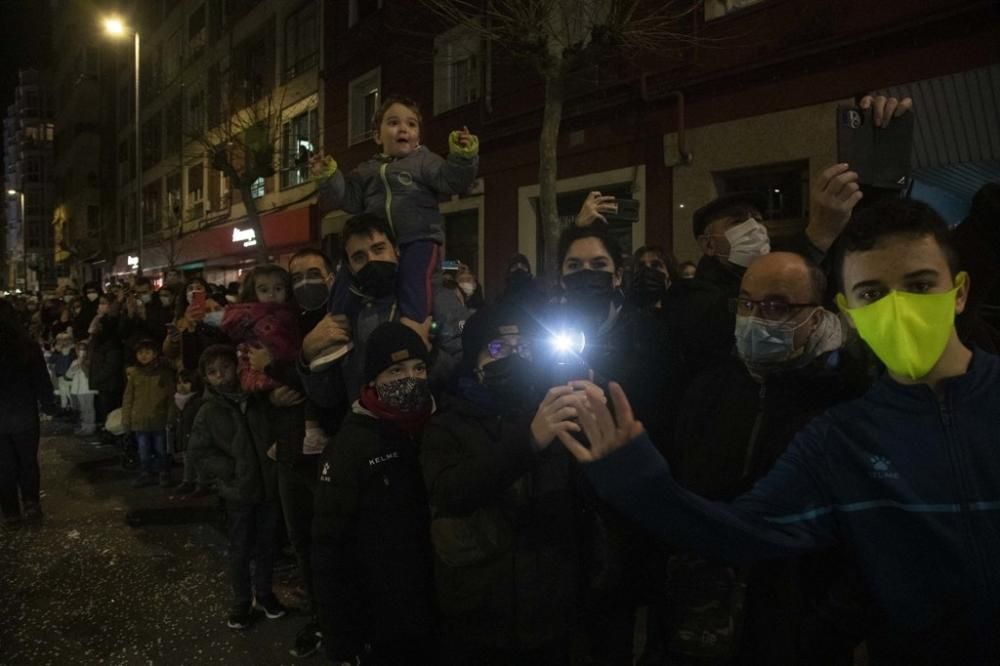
152,451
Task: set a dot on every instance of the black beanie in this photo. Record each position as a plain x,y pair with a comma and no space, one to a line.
389,344
492,322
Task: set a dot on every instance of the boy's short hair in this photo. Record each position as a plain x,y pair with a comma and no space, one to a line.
894,217
408,102
598,231
311,252
365,225
147,343
216,353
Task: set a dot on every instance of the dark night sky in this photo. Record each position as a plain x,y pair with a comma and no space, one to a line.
24,40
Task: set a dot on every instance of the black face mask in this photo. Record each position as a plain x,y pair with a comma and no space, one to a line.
518,280
377,279
510,380
648,286
589,294
311,293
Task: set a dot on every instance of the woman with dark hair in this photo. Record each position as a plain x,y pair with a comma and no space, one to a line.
24,382
189,334
107,358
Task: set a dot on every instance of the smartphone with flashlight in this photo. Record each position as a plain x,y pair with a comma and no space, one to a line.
628,211
879,155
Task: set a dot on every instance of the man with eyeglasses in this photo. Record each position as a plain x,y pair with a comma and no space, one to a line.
733,422
504,518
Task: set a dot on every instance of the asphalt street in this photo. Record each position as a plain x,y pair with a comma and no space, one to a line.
116,575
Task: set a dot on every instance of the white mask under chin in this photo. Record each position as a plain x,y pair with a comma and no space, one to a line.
747,241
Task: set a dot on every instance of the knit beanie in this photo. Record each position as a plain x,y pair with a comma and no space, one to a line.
389,344
492,322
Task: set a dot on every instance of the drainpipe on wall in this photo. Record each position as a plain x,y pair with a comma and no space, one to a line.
686,157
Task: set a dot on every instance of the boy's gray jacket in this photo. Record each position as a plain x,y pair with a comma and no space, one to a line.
403,191
230,446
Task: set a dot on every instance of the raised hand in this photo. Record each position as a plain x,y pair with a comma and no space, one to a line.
606,434
884,109
555,414
833,195
593,206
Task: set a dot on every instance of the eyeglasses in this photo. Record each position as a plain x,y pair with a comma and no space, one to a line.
769,309
498,349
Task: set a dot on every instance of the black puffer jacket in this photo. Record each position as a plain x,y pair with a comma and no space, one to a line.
229,443
372,565
504,528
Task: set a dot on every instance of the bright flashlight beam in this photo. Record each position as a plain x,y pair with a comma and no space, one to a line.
114,26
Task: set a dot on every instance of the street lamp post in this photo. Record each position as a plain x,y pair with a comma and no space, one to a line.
24,255
115,27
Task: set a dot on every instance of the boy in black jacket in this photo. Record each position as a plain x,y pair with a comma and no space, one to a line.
372,562
229,443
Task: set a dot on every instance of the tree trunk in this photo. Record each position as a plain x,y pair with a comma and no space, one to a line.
253,218
548,212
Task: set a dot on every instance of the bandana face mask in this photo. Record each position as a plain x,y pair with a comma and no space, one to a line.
908,332
410,395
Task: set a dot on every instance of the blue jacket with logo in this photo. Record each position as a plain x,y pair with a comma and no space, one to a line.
907,480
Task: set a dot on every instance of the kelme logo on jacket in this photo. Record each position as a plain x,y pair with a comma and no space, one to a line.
882,468
324,474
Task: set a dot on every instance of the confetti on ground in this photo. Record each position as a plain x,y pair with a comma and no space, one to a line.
86,588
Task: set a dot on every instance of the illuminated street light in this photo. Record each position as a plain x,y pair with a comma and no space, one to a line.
115,27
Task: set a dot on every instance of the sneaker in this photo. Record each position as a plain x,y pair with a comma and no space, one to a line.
143,480
307,642
184,488
165,480
328,356
240,616
272,608
32,512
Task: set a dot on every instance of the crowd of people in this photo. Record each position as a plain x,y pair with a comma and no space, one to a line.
783,452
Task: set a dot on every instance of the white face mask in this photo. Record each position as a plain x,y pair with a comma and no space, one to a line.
91,296
467,288
747,241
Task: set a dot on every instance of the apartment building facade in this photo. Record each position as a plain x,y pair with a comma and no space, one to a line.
748,103
28,184
202,64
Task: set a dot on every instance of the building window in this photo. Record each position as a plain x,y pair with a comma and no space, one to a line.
174,125
197,33
93,220
782,189
298,143
361,9
258,188
174,201
152,209
461,237
717,8
456,69
196,111
152,142
171,61
363,100
196,183
301,44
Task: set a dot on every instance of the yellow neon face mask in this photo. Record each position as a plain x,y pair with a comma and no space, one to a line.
908,332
